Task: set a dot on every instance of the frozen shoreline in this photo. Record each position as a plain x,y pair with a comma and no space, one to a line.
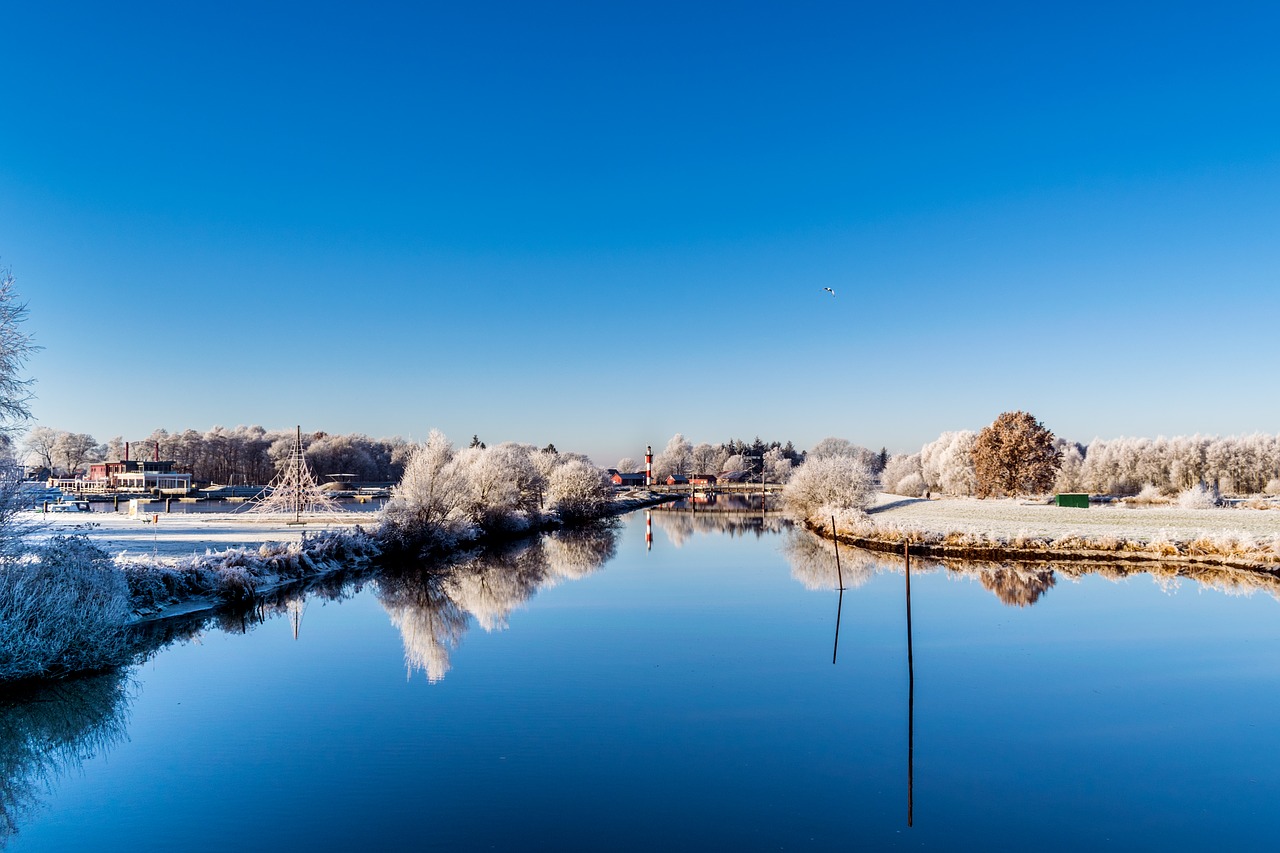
178,535
1018,530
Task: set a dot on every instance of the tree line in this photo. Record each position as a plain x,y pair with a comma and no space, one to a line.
1236,465
244,454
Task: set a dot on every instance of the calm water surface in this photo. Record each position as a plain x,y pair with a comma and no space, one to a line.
587,694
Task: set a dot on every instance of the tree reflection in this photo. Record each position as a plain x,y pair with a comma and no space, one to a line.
1016,584
433,606
813,561
48,730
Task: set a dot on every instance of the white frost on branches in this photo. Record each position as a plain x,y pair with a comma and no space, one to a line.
833,485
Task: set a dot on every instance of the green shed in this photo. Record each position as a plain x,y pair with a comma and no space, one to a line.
1078,501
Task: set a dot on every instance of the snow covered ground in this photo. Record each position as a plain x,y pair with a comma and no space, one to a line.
1009,519
181,534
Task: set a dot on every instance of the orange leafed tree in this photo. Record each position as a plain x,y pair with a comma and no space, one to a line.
1015,456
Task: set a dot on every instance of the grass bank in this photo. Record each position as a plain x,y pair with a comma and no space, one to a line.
995,530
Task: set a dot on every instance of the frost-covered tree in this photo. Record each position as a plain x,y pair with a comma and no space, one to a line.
706,459
676,458
777,466
901,475
578,490
41,447
1013,456
1070,476
429,505
829,485
627,465
16,347
946,464
15,392
73,449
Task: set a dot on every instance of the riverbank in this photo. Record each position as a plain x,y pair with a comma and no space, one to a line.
1008,529
184,563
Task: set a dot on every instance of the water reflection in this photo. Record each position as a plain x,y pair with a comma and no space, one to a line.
49,730
680,526
813,561
1018,584
433,606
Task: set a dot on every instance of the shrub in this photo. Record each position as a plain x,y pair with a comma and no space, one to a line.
577,490
820,487
911,486
63,608
1197,497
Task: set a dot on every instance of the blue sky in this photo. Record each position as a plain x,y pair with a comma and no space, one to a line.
600,224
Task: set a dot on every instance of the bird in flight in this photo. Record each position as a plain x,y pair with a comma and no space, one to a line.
829,290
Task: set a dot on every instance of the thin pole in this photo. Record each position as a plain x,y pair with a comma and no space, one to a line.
836,543
836,647
911,696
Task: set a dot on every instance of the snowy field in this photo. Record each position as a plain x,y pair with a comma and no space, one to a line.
1010,519
183,534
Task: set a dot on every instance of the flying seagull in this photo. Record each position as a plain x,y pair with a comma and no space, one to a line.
829,290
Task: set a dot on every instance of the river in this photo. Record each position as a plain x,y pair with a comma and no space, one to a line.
596,691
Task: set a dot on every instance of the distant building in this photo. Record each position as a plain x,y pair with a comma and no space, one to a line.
620,479
130,475
703,479
677,480
735,476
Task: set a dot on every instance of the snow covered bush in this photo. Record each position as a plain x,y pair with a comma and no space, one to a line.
578,490
1273,486
1198,496
1150,494
822,486
910,486
449,497
946,464
430,503
898,469
63,608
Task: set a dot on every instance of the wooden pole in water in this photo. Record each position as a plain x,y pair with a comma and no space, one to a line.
835,648
911,695
836,542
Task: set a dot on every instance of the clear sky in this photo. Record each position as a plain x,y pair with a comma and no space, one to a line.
598,224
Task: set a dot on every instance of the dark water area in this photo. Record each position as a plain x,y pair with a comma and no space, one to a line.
602,691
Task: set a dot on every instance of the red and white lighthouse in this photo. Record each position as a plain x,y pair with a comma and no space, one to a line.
648,465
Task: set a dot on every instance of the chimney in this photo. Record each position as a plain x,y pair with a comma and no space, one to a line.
126,451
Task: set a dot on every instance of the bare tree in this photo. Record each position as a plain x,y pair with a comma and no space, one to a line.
41,446
73,449
15,348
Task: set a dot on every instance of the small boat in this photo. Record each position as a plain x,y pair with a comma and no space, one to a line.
70,506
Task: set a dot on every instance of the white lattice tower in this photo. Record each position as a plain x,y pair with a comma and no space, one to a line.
295,490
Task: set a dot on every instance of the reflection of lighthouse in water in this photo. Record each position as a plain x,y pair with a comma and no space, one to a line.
648,530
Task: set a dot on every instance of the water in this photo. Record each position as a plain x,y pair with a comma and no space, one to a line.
682,697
